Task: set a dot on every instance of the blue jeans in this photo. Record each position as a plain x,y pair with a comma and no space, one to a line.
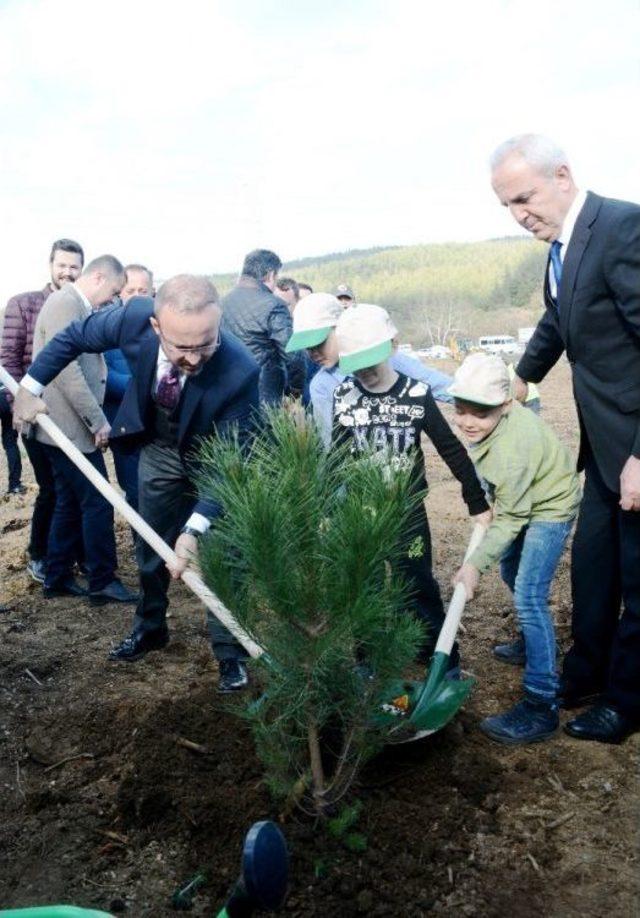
528,567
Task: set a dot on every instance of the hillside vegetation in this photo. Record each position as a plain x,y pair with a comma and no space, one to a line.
476,287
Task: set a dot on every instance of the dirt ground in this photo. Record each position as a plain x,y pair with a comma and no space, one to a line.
100,805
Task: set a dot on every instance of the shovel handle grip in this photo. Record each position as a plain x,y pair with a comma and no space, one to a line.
458,600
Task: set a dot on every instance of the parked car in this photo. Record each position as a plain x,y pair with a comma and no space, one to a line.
499,344
435,352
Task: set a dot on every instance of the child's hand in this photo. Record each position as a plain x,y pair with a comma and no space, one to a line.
469,577
484,519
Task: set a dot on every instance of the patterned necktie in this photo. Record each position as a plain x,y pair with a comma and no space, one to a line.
168,391
556,264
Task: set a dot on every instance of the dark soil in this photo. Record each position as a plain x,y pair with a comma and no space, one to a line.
101,805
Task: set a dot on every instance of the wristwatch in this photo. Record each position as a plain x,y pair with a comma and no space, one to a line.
190,530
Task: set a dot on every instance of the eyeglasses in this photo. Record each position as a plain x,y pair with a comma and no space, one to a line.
209,348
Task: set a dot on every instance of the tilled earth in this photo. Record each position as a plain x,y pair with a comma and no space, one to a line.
102,805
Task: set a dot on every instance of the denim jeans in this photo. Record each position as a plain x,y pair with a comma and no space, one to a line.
528,567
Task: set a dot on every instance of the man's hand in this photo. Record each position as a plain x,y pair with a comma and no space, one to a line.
520,389
630,484
25,408
101,437
186,548
469,577
484,519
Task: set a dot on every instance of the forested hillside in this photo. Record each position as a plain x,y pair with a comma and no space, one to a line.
476,287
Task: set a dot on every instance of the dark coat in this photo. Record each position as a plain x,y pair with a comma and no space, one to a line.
263,323
597,322
221,398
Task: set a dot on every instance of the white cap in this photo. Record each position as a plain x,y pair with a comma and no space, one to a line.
482,379
313,318
365,333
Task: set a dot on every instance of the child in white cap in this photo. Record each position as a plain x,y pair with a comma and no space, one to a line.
383,411
535,492
314,322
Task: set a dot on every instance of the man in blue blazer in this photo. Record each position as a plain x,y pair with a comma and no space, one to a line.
189,380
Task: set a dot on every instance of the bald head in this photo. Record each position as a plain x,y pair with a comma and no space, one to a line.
187,321
186,293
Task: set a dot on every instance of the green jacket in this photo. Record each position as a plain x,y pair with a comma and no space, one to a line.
531,477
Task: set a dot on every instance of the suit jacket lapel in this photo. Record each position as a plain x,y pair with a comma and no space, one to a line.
575,250
194,390
145,372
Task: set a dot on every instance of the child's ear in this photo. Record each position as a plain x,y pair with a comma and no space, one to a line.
506,407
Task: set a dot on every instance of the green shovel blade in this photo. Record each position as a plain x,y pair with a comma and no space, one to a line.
441,698
432,703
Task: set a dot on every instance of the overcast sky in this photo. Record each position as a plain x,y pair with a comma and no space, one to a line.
183,135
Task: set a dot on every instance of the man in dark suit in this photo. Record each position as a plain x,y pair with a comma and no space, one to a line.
189,380
592,300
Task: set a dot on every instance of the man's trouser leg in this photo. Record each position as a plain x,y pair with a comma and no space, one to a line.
65,530
10,443
166,498
596,587
623,685
45,502
126,466
96,518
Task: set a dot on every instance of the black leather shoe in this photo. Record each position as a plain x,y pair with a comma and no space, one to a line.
233,676
138,643
63,588
112,592
601,723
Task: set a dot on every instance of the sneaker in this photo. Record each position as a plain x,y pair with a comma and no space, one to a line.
528,721
233,676
513,653
17,489
37,570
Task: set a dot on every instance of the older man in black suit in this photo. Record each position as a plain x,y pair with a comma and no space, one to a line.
592,299
189,380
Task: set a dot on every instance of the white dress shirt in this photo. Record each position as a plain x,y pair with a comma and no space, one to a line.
565,236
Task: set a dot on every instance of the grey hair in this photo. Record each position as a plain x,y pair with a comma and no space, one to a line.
537,150
186,293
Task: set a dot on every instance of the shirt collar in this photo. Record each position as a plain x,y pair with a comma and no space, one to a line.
570,220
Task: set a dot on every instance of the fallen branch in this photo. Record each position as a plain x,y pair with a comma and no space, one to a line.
34,678
190,745
19,782
534,863
70,758
560,821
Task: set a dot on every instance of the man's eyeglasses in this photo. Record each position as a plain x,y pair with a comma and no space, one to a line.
208,348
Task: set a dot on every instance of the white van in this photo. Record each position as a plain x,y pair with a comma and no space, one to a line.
499,344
